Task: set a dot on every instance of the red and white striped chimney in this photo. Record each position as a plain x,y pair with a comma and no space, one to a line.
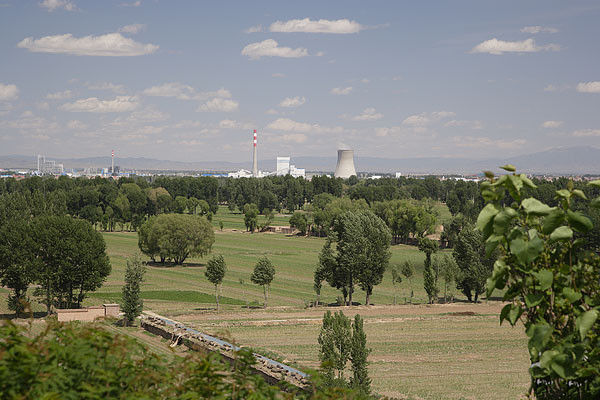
254,160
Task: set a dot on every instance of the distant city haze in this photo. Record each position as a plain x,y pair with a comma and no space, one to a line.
441,80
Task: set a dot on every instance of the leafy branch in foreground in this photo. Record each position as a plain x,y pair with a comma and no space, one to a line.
550,280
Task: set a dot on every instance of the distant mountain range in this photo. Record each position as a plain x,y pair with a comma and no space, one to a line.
571,160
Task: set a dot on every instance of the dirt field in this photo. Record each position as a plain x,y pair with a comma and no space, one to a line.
455,351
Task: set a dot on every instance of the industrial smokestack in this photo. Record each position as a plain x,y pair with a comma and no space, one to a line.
345,164
254,159
112,164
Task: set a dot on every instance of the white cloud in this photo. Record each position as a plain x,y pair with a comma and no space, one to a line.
8,92
270,48
32,126
136,3
76,125
219,104
271,111
44,106
499,47
369,114
288,125
287,138
464,124
420,120
480,142
94,105
106,86
231,124
538,29
52,5
27,113
552,124
254,29
306,25
278,75
111,44
589,87
67,94
133,28
587,132
292,101
184,92
341,91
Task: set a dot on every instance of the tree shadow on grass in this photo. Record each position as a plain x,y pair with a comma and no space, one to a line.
36,315
155,264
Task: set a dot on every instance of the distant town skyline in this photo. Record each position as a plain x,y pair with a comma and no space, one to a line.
190,80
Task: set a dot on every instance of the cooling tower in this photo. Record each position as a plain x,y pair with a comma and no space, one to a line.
345,164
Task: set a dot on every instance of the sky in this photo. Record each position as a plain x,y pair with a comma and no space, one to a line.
190,80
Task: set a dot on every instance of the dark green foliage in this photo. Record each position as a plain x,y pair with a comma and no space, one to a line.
215,272
341,341
396,279
174,237
335,341
430,274
263,275
358,357
551,281
84,361
475,266
408,270
449,271
251,217
71,260
362,253
131,303
299,221
17,261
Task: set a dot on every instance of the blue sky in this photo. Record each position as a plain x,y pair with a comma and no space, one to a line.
190,80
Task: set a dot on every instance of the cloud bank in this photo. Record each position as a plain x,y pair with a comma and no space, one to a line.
111,45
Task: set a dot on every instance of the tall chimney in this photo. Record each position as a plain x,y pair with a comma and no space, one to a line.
112,166
254,160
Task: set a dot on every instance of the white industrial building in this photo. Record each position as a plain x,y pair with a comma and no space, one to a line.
284,168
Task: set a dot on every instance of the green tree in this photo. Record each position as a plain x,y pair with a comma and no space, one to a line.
408,270
132,303
551,282
449,271
335,344
263,275
71,260
474,264
396,279
299,221
17,262
358,357
430,275
251,217
175,237
362,253
215,272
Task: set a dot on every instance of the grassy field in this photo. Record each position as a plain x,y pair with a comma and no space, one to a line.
419,352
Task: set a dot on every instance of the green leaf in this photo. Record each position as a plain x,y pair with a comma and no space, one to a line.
545,278
527,182
594,183
515,182
579,194
539,334
553,221
498,278
500,181
585,322
561,233
485,218
535,207
533,299
579,221
547,357
571,294
527,251
595,203
564,193
514,314
560,365
504,313
489,174
509,168
503,219
488,195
